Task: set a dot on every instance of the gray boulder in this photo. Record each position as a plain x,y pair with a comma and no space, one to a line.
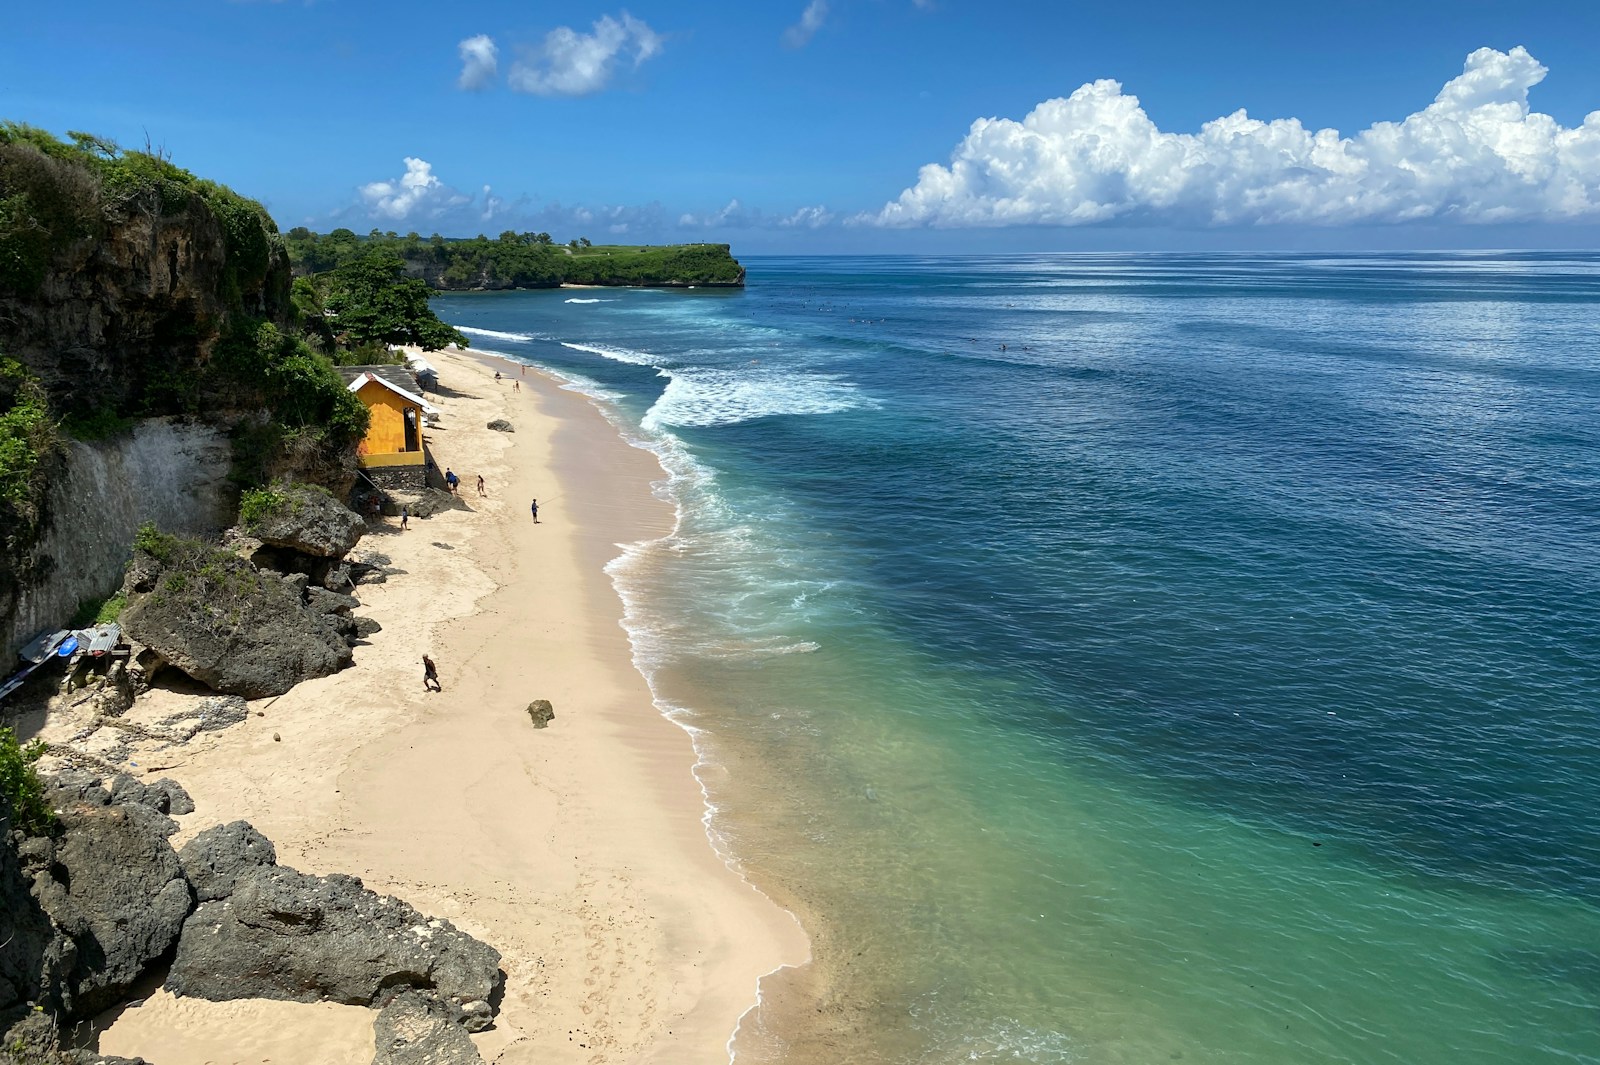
114,887
283,934
417,1028
500,425
218,619
541,713
214,859
308,520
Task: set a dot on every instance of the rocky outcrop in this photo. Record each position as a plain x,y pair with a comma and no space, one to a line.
283,934
35,961
417,1028
500,425
115,888
214,859
88,912
223,622
307,520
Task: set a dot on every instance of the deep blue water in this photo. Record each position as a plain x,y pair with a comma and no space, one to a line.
1126,658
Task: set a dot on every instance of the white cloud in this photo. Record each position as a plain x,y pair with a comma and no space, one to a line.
417,194
1476,154
733,215
811,20
570,63
808,218
479,62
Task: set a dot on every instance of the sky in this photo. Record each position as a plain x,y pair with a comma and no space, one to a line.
855,126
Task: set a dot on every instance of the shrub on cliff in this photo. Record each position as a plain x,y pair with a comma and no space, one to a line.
20,783
26,436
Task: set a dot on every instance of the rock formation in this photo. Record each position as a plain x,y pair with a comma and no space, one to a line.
230,626
308,520
417,1028
541,713
86,913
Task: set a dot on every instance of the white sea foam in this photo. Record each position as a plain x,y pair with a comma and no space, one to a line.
495,333
576,300
637,358
705,396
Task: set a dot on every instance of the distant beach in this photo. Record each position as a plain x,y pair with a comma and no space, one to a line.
578,851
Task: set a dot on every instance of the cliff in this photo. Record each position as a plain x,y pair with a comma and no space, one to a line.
132,290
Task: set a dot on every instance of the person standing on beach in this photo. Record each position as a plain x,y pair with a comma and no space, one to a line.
481,490
536,512
405,516
430,675
451,480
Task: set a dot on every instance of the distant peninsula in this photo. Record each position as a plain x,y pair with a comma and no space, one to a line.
520,260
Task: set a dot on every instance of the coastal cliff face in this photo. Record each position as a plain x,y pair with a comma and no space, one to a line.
164,470
123,306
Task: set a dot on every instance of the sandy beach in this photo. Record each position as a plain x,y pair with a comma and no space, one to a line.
578,851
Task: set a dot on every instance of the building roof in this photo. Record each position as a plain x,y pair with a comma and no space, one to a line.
396,379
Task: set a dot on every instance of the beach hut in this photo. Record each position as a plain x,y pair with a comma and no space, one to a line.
393,453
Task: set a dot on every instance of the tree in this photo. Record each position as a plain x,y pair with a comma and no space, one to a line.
373,301
585,242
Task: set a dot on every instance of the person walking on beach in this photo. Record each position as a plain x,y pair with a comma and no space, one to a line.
536,512
430,675
451,480
405,516
481,490
516,386
497,377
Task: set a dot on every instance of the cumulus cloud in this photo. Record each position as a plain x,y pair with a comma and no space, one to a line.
570,63
1478,153
417,194
479,62
811,20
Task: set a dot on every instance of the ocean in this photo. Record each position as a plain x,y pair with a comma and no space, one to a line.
1131,658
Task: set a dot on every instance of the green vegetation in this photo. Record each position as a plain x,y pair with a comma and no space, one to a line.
27,435
211,581
372,303
518,260
54,194
20,783
257,504
98,611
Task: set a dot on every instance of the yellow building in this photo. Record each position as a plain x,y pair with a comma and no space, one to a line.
394,436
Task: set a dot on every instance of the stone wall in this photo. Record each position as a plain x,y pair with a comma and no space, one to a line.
171,473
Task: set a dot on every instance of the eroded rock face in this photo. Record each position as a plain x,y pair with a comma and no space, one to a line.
417,1028
35,961
115,888
309,521
283,934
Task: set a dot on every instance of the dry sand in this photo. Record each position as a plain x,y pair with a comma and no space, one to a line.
578,851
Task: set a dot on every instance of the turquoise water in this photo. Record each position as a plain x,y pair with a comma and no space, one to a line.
1210,673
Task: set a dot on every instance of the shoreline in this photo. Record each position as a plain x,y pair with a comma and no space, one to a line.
581,852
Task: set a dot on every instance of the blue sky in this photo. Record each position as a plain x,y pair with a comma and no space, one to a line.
806,125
